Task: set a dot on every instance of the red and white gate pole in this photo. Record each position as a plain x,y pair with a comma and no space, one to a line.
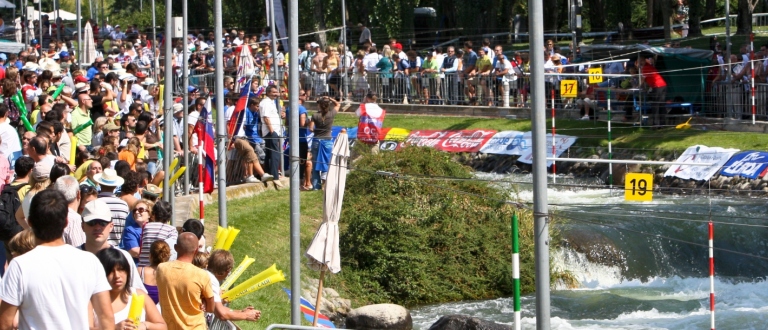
200,148
752,62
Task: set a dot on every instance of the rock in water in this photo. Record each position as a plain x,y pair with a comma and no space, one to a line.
381,316
463,322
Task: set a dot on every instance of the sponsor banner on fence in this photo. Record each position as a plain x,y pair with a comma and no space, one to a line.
451,141
426,138
506,143
562,143
699,154
465,141
749,164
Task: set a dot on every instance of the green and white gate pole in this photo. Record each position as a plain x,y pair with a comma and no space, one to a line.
516,270
610,151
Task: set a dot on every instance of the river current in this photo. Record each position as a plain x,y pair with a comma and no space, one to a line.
662,282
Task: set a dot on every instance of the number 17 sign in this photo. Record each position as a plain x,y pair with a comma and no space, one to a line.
569,88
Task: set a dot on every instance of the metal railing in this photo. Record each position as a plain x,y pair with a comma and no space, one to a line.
733,100
417,88
758,19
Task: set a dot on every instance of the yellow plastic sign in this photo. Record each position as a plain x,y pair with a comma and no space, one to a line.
595,75
569,88
638,187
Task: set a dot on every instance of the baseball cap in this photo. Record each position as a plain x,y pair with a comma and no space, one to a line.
42,169
97,210
192,89
3,57
81,79
64,54
178,107
314,45
110,126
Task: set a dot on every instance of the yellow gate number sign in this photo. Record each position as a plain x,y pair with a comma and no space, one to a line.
569,88
595,75
638,187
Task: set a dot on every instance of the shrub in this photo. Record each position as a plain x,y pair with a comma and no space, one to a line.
421,239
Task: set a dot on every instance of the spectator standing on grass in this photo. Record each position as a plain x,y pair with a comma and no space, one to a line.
657,95
322,143
271,131
50,286
365,36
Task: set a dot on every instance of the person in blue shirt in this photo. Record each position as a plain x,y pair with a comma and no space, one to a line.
304,155
251,145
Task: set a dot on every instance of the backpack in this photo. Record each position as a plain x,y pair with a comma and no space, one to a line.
9,204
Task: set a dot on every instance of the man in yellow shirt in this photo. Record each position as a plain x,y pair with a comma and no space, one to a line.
484,78
183,288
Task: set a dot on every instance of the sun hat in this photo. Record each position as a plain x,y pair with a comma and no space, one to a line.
177,107
152,190
97,210
108,178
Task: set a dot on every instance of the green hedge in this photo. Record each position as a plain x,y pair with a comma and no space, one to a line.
417,241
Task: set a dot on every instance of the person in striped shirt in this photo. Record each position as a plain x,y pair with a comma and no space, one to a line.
109,181
157,229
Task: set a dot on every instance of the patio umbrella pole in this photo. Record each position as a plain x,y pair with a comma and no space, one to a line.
319,297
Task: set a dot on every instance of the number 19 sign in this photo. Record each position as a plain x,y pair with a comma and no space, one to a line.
638,187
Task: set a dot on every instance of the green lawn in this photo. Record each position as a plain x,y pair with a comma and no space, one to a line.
590,133
264,221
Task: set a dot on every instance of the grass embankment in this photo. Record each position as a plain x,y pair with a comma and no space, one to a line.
590,133
264,221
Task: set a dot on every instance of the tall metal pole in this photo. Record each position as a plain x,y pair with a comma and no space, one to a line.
728,37
344,64
154,47
221,125
185,90
538,123
168,101
277,76
58,20
79,32
293,88
40,23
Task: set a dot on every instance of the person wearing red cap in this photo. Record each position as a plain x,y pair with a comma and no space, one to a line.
81,79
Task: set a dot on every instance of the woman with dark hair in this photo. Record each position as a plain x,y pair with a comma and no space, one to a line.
159,252
58,170
157,229
116,266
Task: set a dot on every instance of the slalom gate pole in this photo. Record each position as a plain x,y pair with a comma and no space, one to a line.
610,151
200,148
711,277
554,168
752,62
516,270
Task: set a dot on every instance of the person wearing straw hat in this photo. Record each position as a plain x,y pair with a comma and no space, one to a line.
108,180
53,274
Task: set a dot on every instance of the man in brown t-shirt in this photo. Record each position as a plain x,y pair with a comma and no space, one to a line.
183,288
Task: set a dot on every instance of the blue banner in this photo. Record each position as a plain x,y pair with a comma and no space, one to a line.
748,164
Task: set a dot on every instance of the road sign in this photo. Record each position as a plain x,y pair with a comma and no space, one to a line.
569,88
595,75
638,187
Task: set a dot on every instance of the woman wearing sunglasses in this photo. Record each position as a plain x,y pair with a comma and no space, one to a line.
131,241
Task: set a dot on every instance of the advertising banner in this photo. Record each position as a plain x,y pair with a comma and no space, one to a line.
699,154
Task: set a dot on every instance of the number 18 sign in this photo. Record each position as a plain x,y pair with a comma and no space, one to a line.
638,187
569,88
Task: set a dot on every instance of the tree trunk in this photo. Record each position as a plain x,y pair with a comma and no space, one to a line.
744,18
694,18
649,6
666,14
320,22
709,11
597,15
625,18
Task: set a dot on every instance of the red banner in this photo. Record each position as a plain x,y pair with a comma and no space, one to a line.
426,138
465,141
451,141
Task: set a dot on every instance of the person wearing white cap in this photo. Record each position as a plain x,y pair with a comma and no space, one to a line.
178,126
125,97
108,180
97,225
116,34
53,274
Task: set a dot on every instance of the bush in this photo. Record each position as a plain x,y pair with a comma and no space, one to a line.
419,240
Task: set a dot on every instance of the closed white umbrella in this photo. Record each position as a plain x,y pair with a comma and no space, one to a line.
323,252
89,46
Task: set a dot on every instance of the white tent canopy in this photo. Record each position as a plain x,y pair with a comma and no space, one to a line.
65,15
6,4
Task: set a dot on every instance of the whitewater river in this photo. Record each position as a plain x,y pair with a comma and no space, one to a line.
663,282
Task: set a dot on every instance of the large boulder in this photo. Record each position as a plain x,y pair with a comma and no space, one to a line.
464,322
331,305
595,246
381,316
